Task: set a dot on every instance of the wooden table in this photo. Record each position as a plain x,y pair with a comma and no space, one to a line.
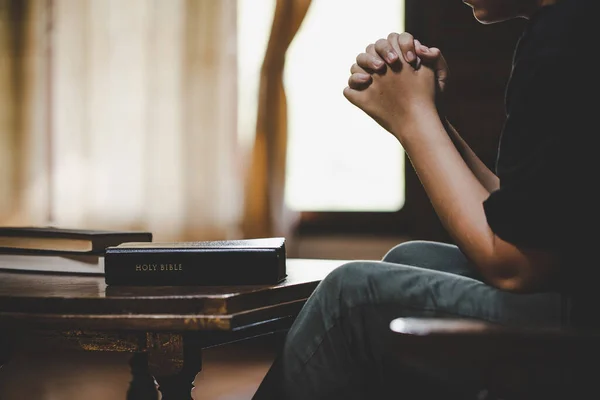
165,328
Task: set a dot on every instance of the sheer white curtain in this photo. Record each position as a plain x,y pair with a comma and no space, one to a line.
140,131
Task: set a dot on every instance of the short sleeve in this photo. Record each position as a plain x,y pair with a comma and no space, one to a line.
529,213
545,163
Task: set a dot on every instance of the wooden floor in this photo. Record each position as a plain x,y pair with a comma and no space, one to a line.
231,372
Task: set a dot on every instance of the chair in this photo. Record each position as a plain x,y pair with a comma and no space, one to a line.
511,363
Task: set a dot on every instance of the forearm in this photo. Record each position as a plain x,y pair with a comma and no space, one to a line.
486,177
457,197
454,191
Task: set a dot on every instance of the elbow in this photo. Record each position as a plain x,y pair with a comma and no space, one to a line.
515,284
518,270
514,269
517,278
501,273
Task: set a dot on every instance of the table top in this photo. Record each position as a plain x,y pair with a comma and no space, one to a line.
86,302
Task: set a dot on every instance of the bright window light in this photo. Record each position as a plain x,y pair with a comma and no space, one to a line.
339,159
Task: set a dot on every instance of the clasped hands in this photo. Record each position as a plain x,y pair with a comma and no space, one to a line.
396,82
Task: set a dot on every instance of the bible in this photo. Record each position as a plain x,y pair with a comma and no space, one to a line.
209,263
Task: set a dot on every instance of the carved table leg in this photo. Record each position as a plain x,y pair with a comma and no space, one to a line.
174,360
6,341
142,386
179,386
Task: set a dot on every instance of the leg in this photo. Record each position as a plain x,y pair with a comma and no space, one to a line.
142,386
431,255
180,385
424,254
175,360
7,342
336,347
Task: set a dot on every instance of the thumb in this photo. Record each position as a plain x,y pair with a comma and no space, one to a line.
434,58
352,95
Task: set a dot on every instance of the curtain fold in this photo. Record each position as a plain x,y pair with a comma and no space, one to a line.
265,213
9,30
23,112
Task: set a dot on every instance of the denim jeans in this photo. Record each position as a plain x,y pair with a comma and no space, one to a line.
336,347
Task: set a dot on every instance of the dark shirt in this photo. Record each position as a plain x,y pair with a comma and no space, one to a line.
548,160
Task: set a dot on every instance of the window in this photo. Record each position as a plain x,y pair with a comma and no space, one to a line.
339,159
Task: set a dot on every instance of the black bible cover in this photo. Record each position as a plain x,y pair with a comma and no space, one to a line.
226,262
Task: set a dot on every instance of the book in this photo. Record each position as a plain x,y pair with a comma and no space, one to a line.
60,250
63,240
67,263
212,263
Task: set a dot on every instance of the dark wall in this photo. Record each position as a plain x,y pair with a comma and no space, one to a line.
479,58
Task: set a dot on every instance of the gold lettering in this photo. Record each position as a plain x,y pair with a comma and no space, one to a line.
145,267
159,267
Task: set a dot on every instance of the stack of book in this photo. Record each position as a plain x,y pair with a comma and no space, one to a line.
60,250
133,259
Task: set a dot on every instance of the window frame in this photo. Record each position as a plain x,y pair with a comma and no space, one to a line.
401,222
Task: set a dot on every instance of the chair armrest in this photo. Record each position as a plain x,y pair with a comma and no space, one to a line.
519,363
475,341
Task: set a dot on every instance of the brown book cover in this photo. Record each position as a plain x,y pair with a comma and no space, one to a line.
49,240
224,262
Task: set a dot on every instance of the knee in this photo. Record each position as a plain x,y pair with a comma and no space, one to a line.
350,282
351,272
409,253
338,292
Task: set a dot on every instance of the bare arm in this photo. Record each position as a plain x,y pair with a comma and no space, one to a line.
486,177
403,102
457,195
